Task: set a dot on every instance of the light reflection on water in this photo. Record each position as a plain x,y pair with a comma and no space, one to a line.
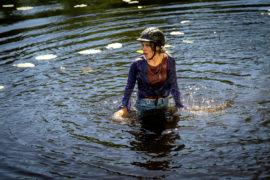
56,117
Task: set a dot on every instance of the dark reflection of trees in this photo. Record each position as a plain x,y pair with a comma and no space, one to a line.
9,15
155,140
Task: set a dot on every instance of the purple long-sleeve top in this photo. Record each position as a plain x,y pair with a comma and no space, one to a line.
138,72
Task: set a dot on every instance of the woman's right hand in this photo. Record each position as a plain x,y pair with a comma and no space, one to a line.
178,111
121,113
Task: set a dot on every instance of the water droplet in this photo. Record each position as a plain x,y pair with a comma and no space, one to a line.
24,65
24,8
114,46
46,57
62,68
90,51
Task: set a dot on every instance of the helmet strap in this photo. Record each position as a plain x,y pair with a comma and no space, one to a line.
155,46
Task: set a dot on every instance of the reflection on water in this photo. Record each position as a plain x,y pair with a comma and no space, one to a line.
63,68
156,141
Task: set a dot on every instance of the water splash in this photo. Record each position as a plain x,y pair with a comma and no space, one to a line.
209,108
203,99
120,120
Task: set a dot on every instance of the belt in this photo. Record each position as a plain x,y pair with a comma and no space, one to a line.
154,97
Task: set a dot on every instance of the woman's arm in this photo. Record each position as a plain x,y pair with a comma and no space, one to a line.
174,85
125,105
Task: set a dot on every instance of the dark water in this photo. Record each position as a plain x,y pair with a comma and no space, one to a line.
56,118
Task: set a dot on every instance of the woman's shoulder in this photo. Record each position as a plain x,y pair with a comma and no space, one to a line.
138,63
139,59
171,59
170,56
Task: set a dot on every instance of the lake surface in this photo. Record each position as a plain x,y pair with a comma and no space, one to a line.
56,113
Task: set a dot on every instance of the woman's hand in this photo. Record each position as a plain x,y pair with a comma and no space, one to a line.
121,113
178,111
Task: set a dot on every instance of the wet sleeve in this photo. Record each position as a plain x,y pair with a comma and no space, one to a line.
174,86
129,86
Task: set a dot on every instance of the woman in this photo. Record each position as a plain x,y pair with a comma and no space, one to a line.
155,74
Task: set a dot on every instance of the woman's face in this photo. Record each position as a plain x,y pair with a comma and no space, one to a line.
147,50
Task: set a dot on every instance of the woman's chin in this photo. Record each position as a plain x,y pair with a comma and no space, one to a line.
147,57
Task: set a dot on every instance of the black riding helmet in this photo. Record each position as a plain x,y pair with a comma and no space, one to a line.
153,35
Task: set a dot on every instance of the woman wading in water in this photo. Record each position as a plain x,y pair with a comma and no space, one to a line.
155,74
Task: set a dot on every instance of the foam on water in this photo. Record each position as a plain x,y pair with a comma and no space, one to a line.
80,6
176,33
46,57
26,8
24,65
131,2
85,70
188,41
7,5
184,21
114,46
90,51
